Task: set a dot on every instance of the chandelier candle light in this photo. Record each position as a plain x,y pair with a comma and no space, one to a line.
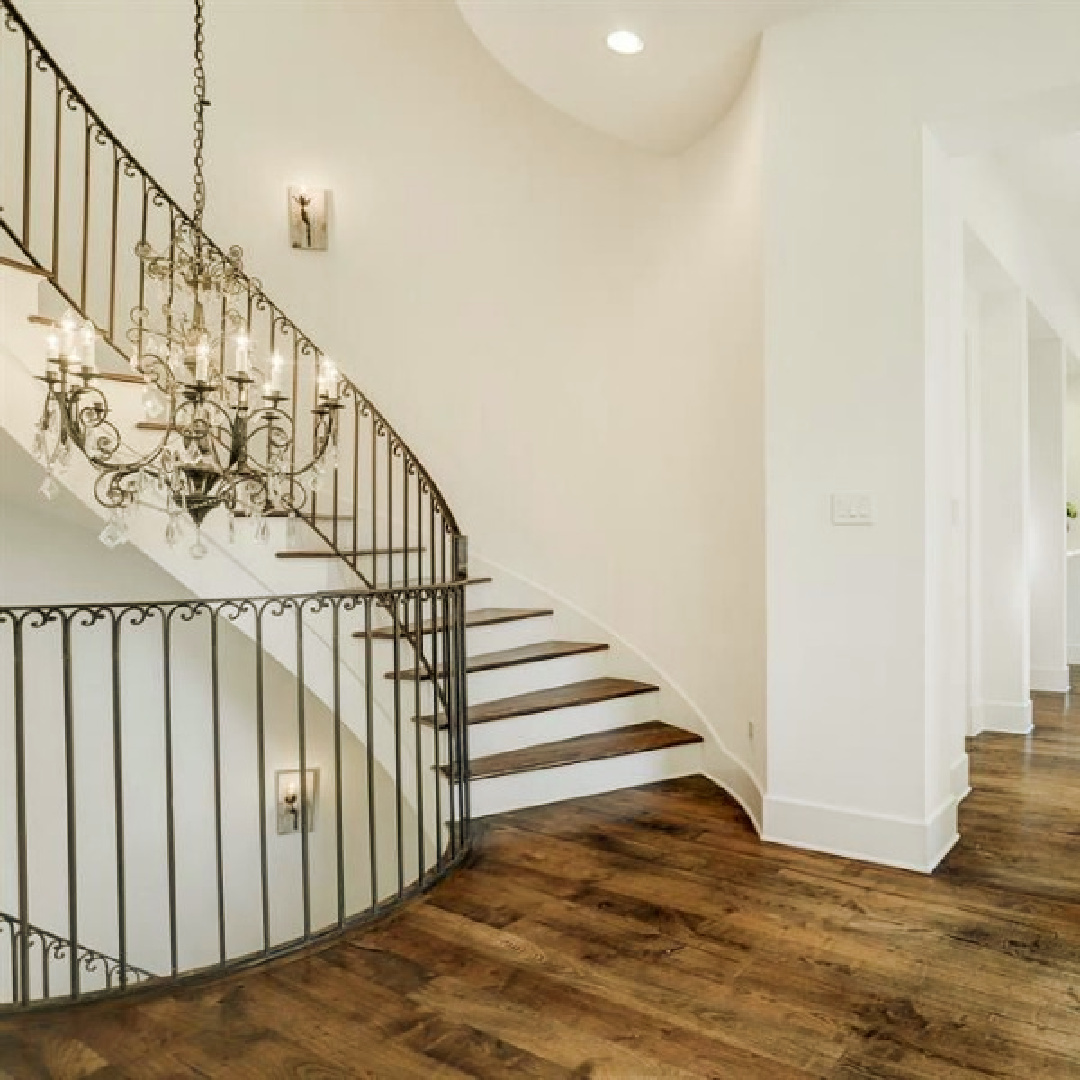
221,447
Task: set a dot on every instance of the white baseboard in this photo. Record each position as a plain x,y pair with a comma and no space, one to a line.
1009,717
906,843
1072,653
959,781
1050,680
974,720
728,772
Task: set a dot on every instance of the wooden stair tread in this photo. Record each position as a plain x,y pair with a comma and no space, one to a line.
329,553
492,616
521,654
586,692
305,517
122,377
26,268
637,739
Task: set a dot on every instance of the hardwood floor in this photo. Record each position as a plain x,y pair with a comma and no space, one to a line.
649,934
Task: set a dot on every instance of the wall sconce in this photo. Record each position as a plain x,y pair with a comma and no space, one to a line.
287,786
308,218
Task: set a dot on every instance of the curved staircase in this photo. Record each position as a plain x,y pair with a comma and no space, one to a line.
449,697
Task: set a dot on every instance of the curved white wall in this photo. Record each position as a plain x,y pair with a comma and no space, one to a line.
567,330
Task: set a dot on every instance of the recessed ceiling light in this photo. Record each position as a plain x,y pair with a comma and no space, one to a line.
625,42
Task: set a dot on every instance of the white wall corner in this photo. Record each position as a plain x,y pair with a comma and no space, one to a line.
1050,680
959,780
906,843
1009,717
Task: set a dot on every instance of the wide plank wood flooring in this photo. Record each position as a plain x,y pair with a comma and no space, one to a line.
649,934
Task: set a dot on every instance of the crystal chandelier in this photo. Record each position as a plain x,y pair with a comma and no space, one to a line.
226,442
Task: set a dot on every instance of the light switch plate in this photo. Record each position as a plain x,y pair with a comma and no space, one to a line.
853,508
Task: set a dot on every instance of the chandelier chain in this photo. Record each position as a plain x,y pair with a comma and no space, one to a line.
200,127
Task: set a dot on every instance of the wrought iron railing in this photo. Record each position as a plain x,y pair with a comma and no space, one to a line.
191,786
50,957
139,772
76,202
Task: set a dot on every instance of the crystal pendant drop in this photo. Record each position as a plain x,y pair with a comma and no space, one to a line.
232,529
153,409
114,533
172,531
49,488
63,456
199,550
38,445
260,530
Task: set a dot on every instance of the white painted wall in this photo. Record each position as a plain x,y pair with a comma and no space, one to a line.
1003,692
856,322
1046,525
1007,251
567,330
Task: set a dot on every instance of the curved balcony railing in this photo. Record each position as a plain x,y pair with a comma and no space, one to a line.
148,829
76,202
191,786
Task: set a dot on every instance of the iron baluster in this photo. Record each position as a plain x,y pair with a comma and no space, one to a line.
215,730
369,729
260,753
70,792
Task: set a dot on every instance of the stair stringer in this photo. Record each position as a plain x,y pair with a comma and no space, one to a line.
673,705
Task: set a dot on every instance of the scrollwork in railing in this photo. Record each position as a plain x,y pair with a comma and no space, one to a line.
287,629
48,950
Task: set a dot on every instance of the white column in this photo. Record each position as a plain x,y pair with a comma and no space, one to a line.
1046,532
1002,639
1072,480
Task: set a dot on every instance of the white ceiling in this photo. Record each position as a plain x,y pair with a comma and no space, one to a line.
697,56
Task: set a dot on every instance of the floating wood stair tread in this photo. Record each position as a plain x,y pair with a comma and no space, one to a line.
412,583
522,654
638,739
26,268
586,692
492,616
121,377
151,425
305,517
360,553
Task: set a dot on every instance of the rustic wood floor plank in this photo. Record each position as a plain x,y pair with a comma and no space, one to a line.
648,933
